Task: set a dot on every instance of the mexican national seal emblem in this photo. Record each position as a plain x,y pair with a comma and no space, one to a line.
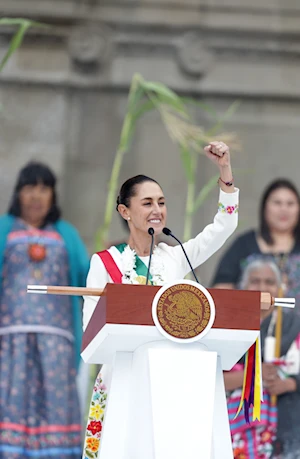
184,311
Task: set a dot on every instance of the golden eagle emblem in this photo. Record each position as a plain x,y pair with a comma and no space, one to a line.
183,313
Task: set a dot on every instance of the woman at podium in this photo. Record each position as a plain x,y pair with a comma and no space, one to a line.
141,202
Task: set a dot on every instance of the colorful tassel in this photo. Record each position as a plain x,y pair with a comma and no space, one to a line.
252,385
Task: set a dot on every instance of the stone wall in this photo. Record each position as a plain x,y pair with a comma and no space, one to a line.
63,96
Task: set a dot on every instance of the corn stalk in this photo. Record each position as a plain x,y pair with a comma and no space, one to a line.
190,139
22,26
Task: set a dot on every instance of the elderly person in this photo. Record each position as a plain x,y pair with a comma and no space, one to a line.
142,204
277,435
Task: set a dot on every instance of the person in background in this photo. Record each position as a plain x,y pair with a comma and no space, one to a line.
277,434
277,238
40,335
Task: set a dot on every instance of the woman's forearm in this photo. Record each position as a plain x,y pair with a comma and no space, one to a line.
226,179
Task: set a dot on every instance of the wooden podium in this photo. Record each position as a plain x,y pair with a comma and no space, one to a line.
167,400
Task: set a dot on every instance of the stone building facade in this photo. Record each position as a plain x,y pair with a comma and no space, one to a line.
63,96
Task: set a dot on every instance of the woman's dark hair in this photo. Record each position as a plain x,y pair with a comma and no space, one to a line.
264,227
33,174
128,189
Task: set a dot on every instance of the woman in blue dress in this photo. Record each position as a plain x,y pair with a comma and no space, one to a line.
39,335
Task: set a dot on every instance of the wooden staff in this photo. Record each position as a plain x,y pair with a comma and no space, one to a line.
266,300
278,335
58,290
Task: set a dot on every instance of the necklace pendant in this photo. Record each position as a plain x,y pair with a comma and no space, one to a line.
142,280
37,252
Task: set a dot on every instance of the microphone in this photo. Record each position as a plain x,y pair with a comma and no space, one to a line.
151,232
168,232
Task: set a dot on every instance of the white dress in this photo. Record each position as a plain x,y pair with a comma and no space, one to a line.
175,267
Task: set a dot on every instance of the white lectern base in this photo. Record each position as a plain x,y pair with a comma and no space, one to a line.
166,401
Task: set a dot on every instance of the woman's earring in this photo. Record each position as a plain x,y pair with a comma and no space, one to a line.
128,218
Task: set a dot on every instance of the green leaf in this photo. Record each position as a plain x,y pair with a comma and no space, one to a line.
205,107
231,111
13,21
17,39
14,44
203,194
136,92
130,123
187,162
127,133
228,114
165,95
21,21
134,98
161,89
142,109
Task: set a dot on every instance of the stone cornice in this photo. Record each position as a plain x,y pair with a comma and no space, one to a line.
210,59
257,16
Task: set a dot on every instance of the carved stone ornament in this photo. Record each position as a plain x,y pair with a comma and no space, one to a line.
90,45
193,57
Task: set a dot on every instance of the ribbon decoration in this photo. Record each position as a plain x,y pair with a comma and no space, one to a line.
252,384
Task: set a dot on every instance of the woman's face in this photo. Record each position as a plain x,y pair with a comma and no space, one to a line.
282,210
147,208
264,280
36,202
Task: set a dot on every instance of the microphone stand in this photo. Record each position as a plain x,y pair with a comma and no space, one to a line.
151,232
168,232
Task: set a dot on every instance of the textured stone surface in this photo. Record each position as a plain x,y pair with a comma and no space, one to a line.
64,98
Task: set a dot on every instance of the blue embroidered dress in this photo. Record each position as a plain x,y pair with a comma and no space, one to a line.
39,407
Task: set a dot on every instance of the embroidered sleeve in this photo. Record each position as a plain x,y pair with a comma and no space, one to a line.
212,237
228,209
